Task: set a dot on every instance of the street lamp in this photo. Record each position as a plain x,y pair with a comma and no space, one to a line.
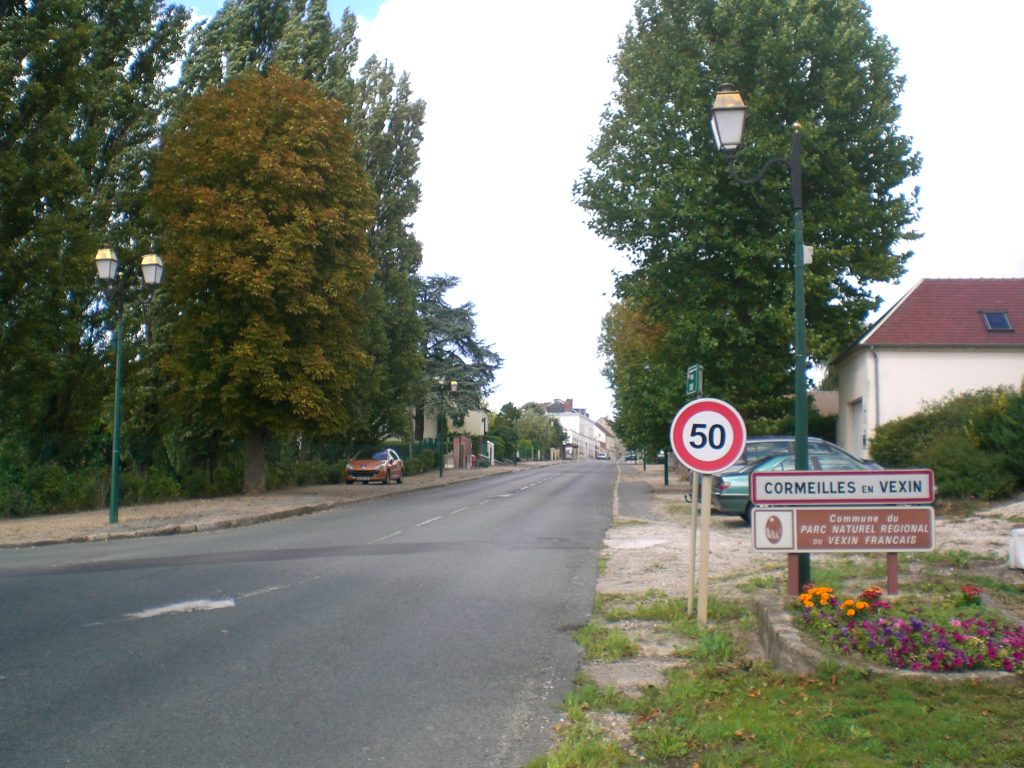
727,118
515,445
444,386
152,268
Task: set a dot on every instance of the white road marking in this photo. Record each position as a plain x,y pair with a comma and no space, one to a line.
186,607
428,522
458,511
385,538
264,591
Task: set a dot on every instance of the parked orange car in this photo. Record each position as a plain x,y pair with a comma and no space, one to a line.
374,466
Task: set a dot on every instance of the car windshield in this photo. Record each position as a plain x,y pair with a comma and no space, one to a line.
816,462
771,463
370,453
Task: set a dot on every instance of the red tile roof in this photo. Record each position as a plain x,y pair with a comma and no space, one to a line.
948,313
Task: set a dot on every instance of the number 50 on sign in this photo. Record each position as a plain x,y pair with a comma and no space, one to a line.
708,435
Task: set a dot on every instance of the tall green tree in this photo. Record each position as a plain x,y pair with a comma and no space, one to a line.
452,352
712,258
540,431
265,210
388,122
647,395
82,89
298,36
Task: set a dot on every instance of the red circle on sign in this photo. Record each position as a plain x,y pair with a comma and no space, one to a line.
707,435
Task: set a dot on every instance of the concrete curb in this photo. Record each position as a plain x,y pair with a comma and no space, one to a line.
217,519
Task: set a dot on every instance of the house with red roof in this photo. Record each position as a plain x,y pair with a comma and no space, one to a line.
945,337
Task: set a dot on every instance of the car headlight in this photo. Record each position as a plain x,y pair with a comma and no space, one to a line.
349,467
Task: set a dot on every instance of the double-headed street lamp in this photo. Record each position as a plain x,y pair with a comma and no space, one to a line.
444,386
152,268
727,118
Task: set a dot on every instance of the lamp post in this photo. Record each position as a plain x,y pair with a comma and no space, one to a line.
444,386
727,117
515,446
152,268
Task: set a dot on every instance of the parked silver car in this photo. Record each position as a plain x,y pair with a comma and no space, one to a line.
730,490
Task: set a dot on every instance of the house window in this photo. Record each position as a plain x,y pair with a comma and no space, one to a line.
996,321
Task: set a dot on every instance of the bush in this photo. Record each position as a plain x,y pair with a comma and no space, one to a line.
422,461
999,428
818,424
154,484
291,473
48,488
971,441
962,470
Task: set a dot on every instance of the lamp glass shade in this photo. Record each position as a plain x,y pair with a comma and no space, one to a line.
727,115
455,386
106,264
152,269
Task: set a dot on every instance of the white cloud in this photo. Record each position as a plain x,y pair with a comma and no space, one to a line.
960,63
514,94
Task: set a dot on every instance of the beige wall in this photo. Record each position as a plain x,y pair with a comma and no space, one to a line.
889,383
474,425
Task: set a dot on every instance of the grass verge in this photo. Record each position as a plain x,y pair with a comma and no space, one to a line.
722,710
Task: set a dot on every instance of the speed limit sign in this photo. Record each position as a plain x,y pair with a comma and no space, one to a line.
707,435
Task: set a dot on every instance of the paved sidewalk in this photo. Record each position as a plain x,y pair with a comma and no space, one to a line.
191,515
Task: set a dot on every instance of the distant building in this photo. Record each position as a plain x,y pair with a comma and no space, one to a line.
945,337
586,438
472,434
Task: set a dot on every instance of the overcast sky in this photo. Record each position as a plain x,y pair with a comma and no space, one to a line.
514,94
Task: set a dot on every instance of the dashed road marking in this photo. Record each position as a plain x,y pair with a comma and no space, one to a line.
385,538
185,607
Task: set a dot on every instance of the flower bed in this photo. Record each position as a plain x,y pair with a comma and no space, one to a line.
864,625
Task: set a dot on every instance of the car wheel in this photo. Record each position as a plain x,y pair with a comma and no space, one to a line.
349,482
366,482
400,479
748,513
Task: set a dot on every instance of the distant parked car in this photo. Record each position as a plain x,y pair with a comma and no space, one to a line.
374,466
602,455
730,490
630,455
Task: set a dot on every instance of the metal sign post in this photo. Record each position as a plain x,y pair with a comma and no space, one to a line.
693,541
707,435
694,386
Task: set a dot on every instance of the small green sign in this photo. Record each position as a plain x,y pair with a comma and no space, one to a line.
694,379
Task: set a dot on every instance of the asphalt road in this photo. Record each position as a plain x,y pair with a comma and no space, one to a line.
428,629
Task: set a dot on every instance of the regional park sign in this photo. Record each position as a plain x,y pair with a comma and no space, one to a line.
844,529
844,511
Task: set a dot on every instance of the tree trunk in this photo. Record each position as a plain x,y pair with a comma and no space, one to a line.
255,462
418,428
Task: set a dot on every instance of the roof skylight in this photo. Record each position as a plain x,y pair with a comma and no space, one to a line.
996,321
